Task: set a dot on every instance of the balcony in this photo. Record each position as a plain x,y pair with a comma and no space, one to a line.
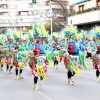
15,23
87,16
16,2
4,6
14,10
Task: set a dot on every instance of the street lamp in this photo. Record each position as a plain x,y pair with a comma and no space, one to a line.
51,18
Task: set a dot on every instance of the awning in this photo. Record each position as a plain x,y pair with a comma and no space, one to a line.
75,2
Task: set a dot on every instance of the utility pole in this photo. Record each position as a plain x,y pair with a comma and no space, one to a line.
51,18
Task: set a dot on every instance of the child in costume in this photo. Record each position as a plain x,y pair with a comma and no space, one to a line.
56,60
96,65
7,64
11,65
39,70
71,60
35,74
18,69
96,62
2,61
70,72
21,65
17,62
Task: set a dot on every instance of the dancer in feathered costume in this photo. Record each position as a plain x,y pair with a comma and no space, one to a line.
69,70
56,60
96,61
18,61
72,59
15,61
2,50
9,62
2,60
21,66
96,65
72,67
39,70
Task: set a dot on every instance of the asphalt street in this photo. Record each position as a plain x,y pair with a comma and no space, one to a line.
55,87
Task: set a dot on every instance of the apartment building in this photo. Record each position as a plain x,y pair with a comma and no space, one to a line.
19,13
84,13
13,12
22,13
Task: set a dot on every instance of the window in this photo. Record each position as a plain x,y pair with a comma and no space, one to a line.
19,13
81,7
23,13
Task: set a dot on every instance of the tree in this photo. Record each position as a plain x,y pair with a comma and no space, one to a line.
48,27
55,27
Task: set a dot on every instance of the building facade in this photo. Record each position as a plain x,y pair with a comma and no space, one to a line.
59,7
14,13
22,13
85,14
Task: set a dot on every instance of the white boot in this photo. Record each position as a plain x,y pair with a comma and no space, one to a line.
20,76
56,66
7,71
72,81
97,79
69,82
1,69
17,77
40,83
35,87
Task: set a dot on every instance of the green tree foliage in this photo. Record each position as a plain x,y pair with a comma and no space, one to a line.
48,27
55,27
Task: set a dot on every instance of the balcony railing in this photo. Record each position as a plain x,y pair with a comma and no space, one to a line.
84,11
16,2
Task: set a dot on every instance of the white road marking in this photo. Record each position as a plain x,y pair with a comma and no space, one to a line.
45,96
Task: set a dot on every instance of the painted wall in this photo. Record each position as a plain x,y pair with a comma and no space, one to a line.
87,5
85,18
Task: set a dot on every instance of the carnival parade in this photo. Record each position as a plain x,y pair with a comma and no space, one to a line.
38,51
49,49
